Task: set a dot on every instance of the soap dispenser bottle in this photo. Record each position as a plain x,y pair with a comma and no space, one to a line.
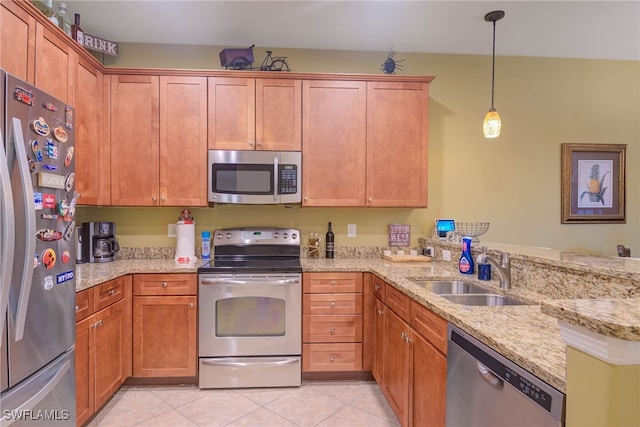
465,265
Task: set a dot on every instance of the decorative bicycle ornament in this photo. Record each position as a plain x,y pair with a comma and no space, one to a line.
242,59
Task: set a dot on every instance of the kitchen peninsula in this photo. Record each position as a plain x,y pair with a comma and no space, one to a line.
554,283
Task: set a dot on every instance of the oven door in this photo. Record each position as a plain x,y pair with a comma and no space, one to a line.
250,315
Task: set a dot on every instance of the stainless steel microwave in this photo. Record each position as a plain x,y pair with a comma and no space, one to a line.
254,177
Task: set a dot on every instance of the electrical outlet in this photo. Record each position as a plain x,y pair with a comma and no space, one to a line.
430,251
351,230
446,255
171,230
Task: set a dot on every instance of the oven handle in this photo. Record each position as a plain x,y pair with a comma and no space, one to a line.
204,281
253,364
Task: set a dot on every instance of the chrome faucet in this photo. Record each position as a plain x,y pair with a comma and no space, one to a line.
503,269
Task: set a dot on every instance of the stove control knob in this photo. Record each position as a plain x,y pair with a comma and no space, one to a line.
285,235
219,236
228,235
276,235
294,236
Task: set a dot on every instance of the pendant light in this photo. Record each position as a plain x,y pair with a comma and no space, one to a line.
492,123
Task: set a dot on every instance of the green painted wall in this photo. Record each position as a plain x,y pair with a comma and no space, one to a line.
512,182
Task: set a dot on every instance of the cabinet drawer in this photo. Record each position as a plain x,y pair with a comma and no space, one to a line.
108,293
332,304
165,284
331,357
317,283
332,329
398,302
84,304
379,288
430,325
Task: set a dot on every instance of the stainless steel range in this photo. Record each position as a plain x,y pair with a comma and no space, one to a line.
250,310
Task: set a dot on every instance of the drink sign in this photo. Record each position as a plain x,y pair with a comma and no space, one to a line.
399,234
98,44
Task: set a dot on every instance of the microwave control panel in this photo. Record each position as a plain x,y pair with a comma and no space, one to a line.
288,179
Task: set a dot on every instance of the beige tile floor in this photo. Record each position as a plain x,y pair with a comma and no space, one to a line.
315,403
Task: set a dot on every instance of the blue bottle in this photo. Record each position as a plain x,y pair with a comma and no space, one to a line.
465,265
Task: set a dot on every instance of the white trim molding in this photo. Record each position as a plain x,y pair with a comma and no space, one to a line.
608,349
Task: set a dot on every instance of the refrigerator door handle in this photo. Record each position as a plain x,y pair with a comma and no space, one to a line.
30,222
7,234
34,400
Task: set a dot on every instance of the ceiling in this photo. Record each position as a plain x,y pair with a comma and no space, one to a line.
574,29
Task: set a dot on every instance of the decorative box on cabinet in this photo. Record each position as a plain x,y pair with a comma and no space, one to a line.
255,114
164,325
103,344
332,322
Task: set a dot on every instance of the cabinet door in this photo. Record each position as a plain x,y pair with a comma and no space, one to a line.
278,114
85,370
378,342
17,41
91,163
135,136
396,364
164,336
110,338
232,115
429,384
183,141
397,136
55,62
333,143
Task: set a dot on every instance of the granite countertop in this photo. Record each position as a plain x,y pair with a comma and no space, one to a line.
528,335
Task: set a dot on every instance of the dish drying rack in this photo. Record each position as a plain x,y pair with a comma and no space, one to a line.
469,229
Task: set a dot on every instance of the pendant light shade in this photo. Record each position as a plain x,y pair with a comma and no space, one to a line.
492,124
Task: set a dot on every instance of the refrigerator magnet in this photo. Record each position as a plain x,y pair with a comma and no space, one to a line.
48,200
49,106
48,235
51,149
60,134
35,148
69,156
68,118
36,260
23,95
37,201
69,181
66,256
49,259
50,167
40,127
68,233
48,282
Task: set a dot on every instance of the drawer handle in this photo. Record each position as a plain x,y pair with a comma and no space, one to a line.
332,330
164,284
332,304
332,358
333,283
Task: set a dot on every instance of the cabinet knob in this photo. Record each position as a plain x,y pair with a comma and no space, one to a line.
332,304
370,199
376,287
190,305
258,142
306,199
164,284
333,283
332,357
112,292
162,199
77,309
380,312
154,198
332,330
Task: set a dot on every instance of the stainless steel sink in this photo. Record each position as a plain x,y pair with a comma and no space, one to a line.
450,286
482,299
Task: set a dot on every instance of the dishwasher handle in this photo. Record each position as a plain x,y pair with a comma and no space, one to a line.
489,377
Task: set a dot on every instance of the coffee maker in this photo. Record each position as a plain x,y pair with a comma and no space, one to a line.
98,242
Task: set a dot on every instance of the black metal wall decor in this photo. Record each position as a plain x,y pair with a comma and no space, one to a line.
390,65
242,59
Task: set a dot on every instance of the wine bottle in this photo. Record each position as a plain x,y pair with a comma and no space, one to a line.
329,243
64,23
76,31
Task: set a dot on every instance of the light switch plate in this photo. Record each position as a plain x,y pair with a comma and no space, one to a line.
171,230
446,255
351,230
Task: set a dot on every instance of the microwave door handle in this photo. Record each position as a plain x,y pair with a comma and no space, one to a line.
7,236
275,179
30,229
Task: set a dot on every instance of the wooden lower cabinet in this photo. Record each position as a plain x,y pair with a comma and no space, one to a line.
378,341
429,381
397,365
103,345
164,325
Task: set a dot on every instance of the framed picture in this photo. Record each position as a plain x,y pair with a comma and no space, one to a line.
593,183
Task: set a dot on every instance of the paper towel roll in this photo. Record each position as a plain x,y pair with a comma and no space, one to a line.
185,246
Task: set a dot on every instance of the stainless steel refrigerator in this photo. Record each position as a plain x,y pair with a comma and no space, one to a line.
37,257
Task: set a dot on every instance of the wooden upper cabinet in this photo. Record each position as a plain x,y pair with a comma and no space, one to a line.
17,41
278,114
232,113
55,64
255,114
135,136
397,142
183,141
333,142
92,165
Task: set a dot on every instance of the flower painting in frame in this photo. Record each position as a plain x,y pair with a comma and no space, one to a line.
593,183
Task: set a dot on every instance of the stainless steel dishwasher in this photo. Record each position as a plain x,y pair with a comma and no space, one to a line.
486,389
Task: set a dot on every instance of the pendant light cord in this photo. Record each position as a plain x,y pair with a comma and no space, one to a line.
493,63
